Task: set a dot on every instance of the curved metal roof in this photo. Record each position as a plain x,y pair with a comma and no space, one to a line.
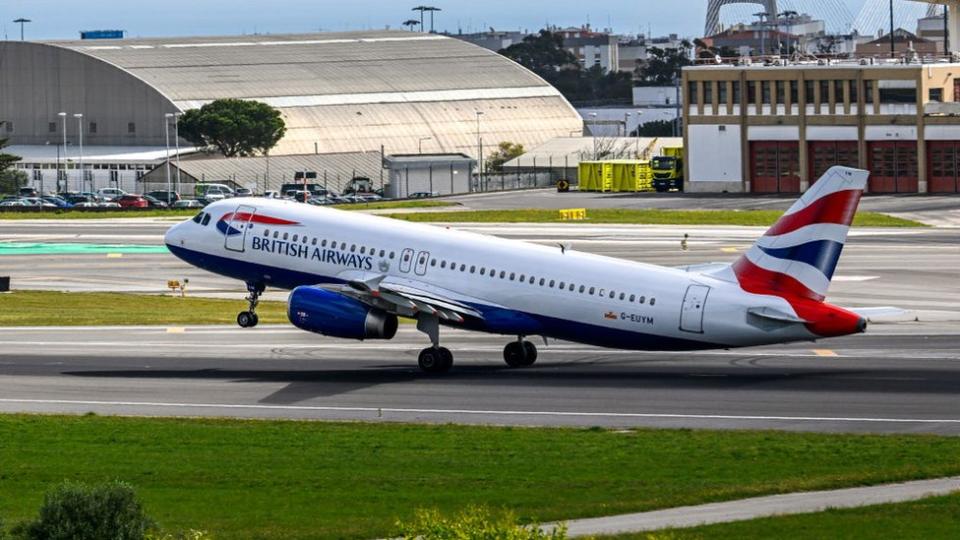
353,91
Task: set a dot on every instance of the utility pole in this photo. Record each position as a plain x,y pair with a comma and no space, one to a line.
893,50
66,179
79,117
176,139
21,21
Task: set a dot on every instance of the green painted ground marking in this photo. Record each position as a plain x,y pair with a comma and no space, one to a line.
24,248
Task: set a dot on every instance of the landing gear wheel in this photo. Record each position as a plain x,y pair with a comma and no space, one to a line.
520,354
247,319
435,360
531,353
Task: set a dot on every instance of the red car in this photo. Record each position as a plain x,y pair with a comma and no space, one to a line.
133,201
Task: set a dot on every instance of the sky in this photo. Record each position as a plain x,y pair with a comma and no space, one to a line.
63,19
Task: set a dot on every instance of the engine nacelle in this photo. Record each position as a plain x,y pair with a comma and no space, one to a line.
324,312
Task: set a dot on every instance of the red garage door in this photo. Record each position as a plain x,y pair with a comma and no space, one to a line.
893,167
774,167
943,164
826,154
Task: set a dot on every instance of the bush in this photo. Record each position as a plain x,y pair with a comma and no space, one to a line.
79,512
474,523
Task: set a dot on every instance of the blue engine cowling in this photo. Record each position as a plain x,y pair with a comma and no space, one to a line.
324,312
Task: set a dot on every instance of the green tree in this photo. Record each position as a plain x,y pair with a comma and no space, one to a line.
663,65
6,160
12,180
655,128
234,127
542,54
80,512
505,152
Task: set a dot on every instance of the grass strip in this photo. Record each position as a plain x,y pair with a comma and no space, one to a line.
51,308
288,479
641,217
934,517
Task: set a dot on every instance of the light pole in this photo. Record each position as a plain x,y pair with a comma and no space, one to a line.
626,121
787,14
593,135
421,9
763,32
479,146
66,179
166,134
21,21
176,141
432,9
79,117
893,49
420,143
639,122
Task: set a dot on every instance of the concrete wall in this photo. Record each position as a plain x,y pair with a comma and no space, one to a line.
713,155
37,81
441,179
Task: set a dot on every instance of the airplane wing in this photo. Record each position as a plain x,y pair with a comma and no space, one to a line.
406,298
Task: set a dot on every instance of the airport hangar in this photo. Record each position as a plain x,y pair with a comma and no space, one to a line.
339,93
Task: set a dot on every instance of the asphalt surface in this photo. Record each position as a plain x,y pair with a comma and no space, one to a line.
901,377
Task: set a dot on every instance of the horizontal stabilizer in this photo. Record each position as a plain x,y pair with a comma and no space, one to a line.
775,315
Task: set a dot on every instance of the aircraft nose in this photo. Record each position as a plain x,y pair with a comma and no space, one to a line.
174,235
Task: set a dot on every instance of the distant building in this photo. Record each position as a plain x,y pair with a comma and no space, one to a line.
747,40
433,174
634,51
591,48
494,40
904,43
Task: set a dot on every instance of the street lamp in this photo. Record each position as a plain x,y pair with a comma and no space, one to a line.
626,120
176,140
593,135
166,134
787,14
66,180
79,117
479,146
763,33
21,21
420,143
639,122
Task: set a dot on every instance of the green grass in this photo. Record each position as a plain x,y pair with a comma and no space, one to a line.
105,214
934,517
48,308
646,216
389,205
286,479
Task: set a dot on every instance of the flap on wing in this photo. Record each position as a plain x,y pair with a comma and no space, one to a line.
775,315
403,298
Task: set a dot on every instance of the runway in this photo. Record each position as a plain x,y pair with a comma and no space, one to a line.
899,379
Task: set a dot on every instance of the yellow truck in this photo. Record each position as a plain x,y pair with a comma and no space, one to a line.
668,170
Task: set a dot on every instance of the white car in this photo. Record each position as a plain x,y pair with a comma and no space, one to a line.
110,194
14,202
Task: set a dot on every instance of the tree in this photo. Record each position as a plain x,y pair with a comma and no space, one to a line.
655,128
12,180
234,127
542,54
6,160
663,65
81,512
505,152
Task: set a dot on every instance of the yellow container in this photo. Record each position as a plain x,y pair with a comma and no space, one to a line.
616,175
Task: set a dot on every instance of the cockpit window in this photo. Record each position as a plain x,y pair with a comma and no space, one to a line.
206,219
198,217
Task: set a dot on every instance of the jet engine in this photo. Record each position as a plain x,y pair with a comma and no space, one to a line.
324,312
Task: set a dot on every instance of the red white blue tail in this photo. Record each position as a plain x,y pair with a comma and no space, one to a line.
798,255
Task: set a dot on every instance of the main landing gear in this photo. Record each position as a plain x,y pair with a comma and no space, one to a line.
249,319
434,359
520,353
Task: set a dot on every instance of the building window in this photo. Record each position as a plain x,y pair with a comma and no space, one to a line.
736,92
93,127
868,91
808,90
794,92
708,92
751,92
935,94
824,92
9,126
765,92
692,92
131,127
852,85
52,127
838,91
898,95
722,93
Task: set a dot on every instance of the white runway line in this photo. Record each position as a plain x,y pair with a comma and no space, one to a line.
397,410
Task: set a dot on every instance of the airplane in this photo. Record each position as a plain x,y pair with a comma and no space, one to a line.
352,275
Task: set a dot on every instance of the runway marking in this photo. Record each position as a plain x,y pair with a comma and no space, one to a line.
729,250
478,412
855,278
114,255
824,352
178,330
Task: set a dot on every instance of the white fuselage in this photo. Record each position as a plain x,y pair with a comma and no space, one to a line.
523,288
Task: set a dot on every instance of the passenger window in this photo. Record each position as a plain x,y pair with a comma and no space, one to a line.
324,243
443,264
463,267
276,234
572,286
433,262
382,252
532,279
563,285
591,290
266,232
296,237
551,283
542,281
653,301
612,294
632,297
512,276
522,278
391,255
642,299
314,241
353,247
582,288
286,235
621,296
363,250
493,273
406,257
502,274
305,240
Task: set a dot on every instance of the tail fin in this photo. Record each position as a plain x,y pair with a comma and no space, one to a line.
797,256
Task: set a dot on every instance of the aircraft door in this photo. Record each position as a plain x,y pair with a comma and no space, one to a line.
691,314
406,259
236,232
422,259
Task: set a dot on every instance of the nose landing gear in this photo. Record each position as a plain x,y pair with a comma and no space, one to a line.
249,318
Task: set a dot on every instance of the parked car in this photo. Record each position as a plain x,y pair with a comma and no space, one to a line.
243,192
165,196
59,202
133,201
272,195
110,194
27,192
37,201
213,192
13,202
188,203
423,195
82,201
154,202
